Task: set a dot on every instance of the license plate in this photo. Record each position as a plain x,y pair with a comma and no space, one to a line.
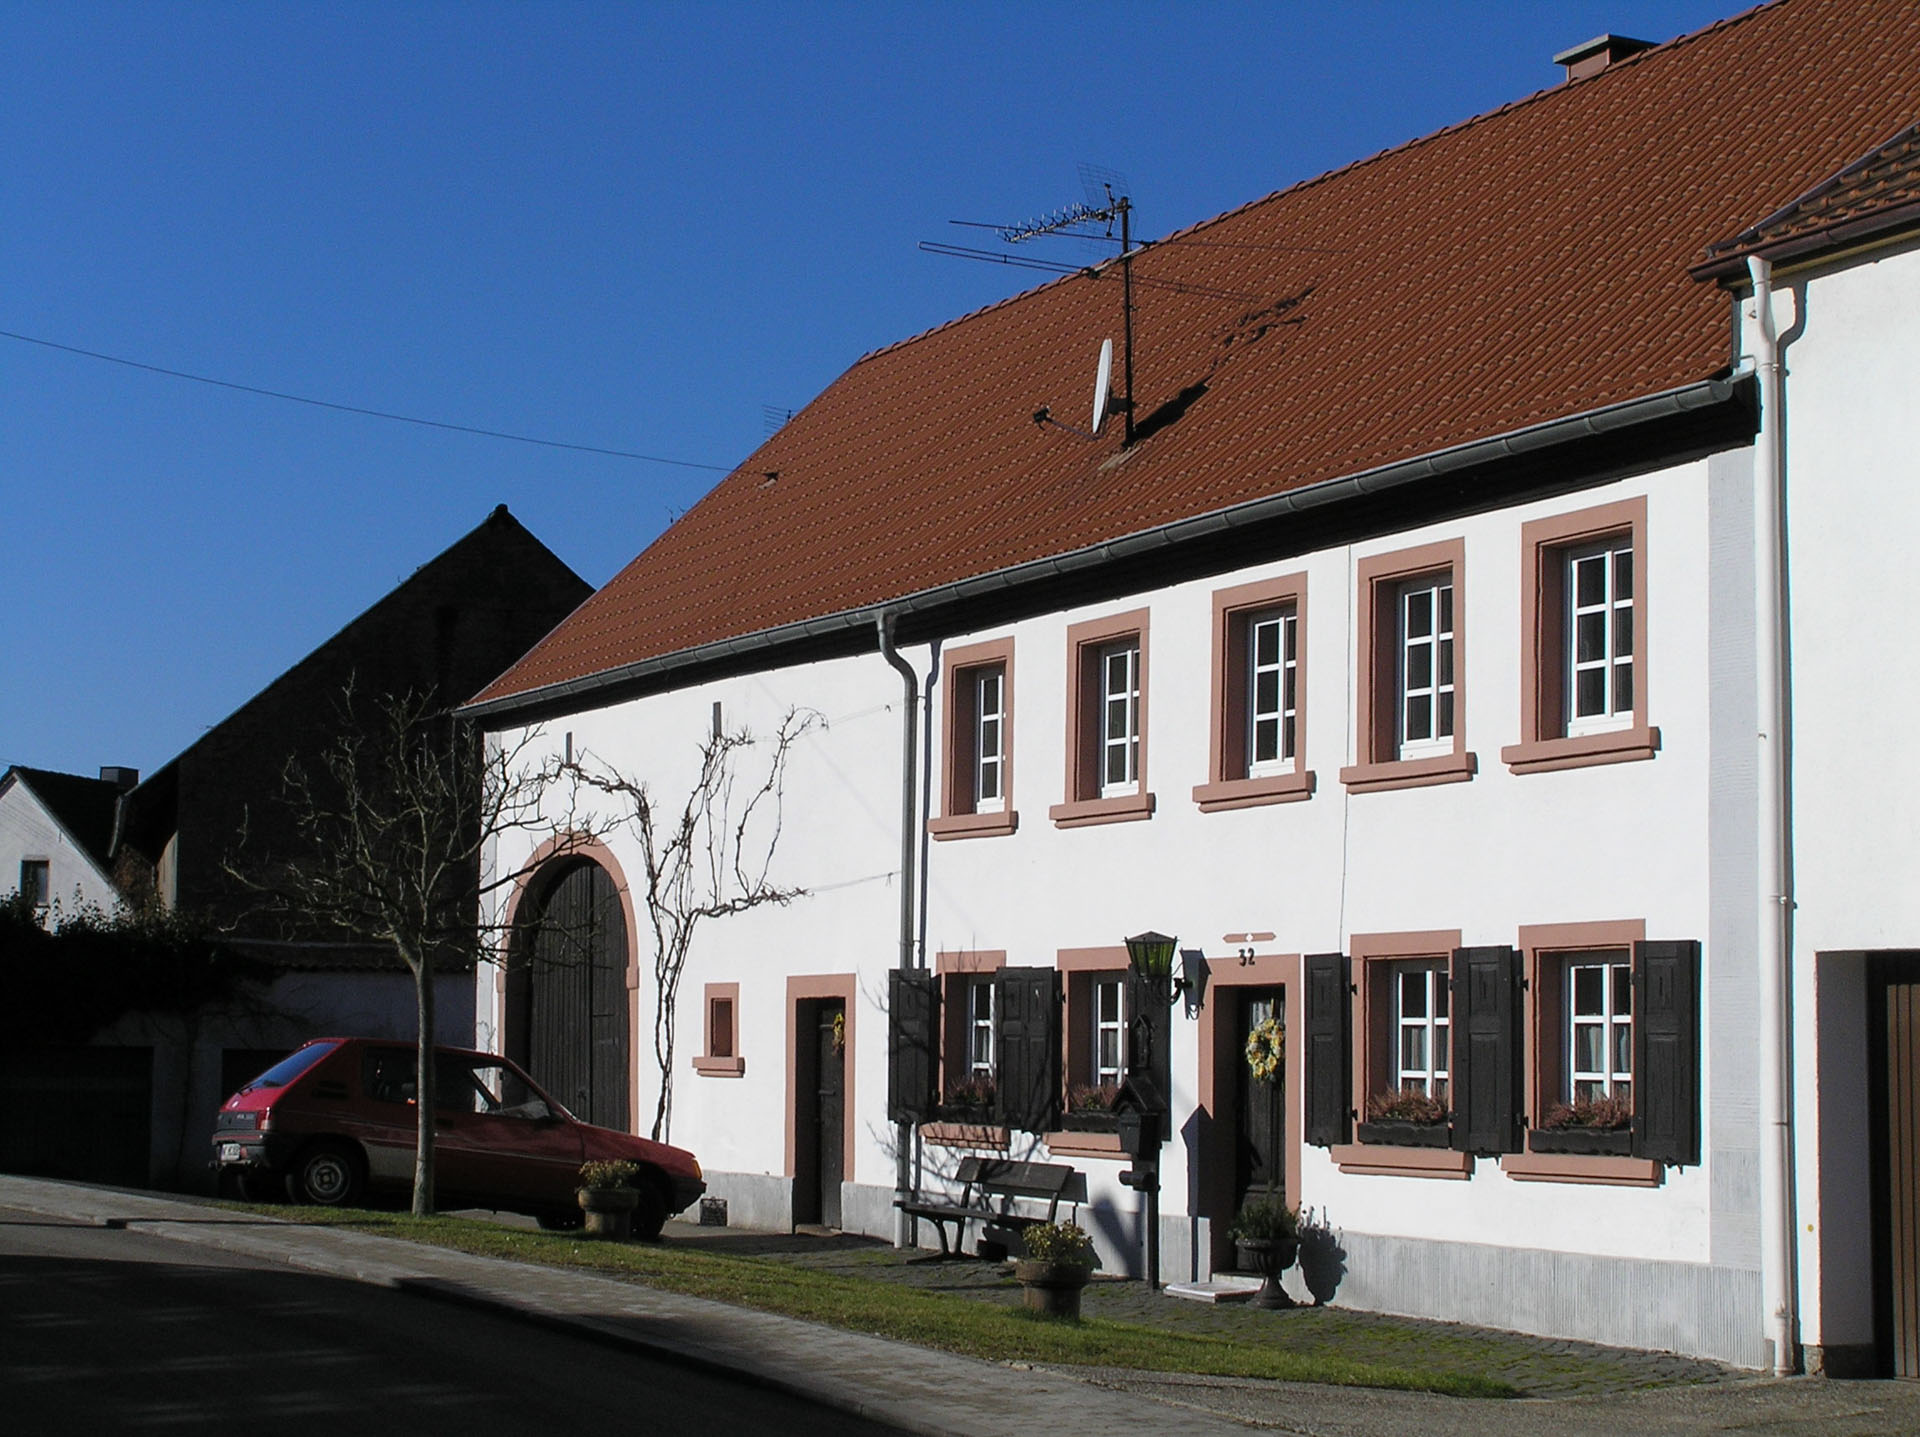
230,1152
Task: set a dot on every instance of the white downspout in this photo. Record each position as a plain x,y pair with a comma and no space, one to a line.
1775,945
903,1133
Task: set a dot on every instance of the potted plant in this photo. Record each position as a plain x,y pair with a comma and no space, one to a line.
1406,1117
970,1100
1600,1126
607,1197
1090,1107
1266,1236
1059,1262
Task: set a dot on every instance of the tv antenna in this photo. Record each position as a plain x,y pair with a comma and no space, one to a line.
1118,209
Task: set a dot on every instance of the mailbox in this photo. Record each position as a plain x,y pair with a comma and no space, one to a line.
1141,1113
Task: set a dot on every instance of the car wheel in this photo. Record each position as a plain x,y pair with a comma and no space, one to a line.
558,1219
650,1212
328,1175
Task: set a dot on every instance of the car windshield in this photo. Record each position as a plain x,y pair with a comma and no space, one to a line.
290,1067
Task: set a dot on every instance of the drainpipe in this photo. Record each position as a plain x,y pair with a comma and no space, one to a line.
1775,945
909,765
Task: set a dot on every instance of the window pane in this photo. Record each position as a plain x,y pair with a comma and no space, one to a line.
1117,672
1622,632
1290,689
1440,995
1286,737
1413,995
1589,693
1266,691
1117,764
1623,1047
1590,637
1413,1051
1589,1048
1419,718
1623,688
1117,719
1445,729
1590,580
1266,740
1446,608
1622,990
1419,613
1420,667
1589,997
1266,642
1445,646
1622,574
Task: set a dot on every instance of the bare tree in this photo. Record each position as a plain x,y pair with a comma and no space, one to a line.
711,858
392,822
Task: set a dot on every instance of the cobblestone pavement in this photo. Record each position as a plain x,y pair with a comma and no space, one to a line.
1537,1366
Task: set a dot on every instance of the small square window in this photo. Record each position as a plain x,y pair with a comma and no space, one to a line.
722,1058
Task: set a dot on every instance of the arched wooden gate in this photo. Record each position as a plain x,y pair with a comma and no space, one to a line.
567,1018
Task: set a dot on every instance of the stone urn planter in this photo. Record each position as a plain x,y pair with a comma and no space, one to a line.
1269,1257
609,1212
1052,1288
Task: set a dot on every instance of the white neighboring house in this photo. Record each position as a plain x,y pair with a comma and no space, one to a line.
56,830
1405,649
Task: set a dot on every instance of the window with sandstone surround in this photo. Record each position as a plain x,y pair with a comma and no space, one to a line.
722,1058
1412,701
1583,641
976,777
1106,723
1258,719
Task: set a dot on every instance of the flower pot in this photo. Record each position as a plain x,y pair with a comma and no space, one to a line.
1593,1142
1269,1257
609,1212
1396,1132
1052,1288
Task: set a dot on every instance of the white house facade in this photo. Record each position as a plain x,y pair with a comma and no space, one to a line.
1430,707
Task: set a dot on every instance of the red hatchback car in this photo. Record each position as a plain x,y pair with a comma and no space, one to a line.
337,1118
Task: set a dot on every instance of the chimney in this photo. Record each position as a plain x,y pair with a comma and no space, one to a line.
121,778
1593,56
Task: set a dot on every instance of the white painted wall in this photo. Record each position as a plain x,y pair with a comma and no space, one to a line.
28,830
1853,481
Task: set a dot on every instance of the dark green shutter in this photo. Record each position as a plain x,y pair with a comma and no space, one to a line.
913,1050
1666,1051
1026,1007
1149,1030
1329,1035
1486,1072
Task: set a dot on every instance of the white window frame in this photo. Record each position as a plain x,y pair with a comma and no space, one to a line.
1613,1017
989,686
1120,702
1432,650
1281,715
980,1015
1612,613
1433,1027
1108,1024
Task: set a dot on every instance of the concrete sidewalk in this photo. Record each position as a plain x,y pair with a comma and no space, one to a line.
924,1391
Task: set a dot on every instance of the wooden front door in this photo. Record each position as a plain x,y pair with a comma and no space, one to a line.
1259,1126
1893,1036
567,1016
820,1085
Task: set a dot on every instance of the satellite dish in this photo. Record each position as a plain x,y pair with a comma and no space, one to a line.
1102,384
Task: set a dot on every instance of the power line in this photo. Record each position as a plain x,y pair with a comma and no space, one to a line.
356,409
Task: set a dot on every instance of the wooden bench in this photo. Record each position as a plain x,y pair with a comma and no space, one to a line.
987,1181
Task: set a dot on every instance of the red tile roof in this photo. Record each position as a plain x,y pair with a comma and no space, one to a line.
1878,190
1525,265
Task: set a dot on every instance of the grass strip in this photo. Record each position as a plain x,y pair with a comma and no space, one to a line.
928,1319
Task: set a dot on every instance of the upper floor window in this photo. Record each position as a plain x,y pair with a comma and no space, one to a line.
1120,719
1411,707
1600,635
1273,691
1583,640
1258,730
1426,687
36,881
988,757
1106,722
977,742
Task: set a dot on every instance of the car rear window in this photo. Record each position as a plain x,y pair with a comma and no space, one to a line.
291,1066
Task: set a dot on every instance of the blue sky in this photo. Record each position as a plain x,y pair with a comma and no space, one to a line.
632,227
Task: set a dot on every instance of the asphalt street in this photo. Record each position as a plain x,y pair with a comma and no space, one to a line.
105,1330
